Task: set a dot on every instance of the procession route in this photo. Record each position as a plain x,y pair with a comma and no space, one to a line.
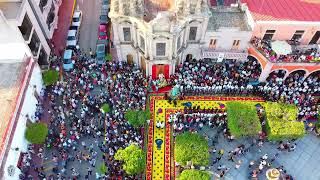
159,139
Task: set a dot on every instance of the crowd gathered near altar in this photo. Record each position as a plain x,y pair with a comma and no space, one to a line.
82,137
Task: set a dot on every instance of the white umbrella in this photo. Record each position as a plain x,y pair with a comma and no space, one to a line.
281,47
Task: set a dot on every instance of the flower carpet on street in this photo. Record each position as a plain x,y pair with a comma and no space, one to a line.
160,163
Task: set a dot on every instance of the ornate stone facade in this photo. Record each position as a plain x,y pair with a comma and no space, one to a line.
157,35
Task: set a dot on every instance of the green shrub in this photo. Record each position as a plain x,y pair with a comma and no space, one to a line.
281,122
103,168
50,77
105,108
108,57
191,147
134,159
243,119
192,174
36,133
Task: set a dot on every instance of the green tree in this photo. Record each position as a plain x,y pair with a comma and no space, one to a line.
192,147
191,174
105,108
133,158
50,77
137,118
36,133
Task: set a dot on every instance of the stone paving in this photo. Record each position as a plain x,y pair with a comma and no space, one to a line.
302,163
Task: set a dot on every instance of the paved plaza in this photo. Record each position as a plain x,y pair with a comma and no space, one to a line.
302,163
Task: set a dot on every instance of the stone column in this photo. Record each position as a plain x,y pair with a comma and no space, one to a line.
265,72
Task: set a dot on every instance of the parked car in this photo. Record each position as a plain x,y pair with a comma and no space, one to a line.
77,18
105,2
100,53
104,19
102,32
67,60
72,39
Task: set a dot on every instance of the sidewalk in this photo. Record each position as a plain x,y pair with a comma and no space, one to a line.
65,14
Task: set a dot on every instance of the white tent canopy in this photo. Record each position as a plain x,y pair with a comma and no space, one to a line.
281,47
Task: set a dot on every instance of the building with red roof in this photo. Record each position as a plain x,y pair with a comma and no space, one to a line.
286,19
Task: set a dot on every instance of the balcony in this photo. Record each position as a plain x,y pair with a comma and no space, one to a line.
299,54
224,54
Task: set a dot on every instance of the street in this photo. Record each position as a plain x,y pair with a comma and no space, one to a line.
90,22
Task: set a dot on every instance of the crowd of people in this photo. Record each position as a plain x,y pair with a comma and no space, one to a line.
80,132
235,78
308,55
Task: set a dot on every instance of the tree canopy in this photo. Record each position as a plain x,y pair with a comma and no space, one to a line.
105,108
192,174
36,133
192,147
50,77
243,119
133,158
137,118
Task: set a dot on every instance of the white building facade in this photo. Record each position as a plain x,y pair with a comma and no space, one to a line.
158,35
36,20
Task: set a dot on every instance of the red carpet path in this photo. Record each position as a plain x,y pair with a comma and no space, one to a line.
64,20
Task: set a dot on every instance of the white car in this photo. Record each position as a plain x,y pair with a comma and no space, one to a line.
77,18
72,39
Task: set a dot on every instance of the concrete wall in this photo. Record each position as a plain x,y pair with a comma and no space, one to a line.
285,30
225,38
26,9
28,107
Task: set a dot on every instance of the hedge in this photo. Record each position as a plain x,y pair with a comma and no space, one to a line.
192,174
36,133
191,147
243,119
50,77
281,122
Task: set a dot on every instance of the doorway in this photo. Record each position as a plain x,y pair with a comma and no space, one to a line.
189,57
315,38
143,64
160,69
130,59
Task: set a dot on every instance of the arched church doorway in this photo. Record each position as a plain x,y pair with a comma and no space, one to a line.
130,59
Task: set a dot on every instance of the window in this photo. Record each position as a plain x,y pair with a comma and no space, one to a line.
193,33
142,44
26,28
269,34
126,34
179,43
213,43
34,44
235,44
161,49
297,35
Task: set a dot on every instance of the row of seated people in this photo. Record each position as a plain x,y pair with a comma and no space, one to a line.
197,109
